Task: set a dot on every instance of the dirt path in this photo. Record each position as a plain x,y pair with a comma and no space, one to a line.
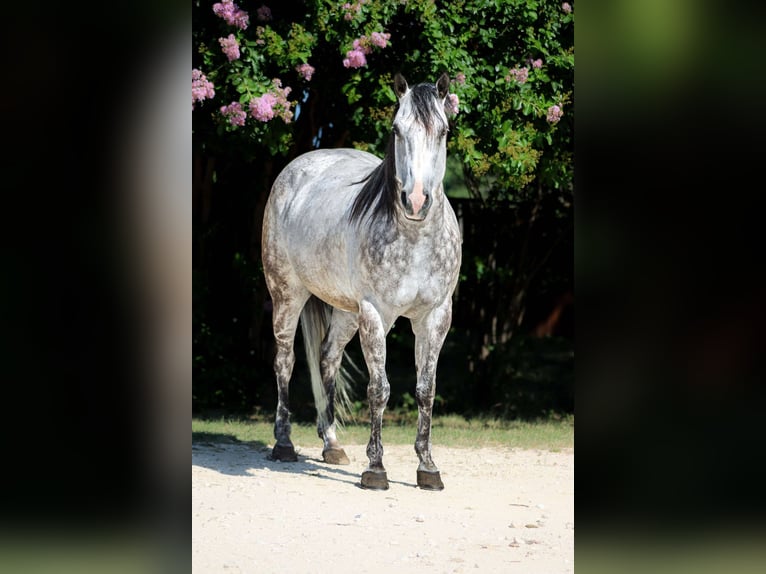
502,510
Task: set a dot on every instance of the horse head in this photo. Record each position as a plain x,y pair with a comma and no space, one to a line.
420,144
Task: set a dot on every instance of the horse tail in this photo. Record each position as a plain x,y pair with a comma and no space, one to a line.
315,320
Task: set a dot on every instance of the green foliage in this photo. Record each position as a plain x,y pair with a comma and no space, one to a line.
510,61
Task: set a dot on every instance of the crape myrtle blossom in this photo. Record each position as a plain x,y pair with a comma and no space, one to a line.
262,108
352,10
518,74
235,113
259,32
460,78
451,104
283,106
554,114
263,13
566,7
362,44
272,104
202,88
230,47
305,70
356,57
230,12
379,39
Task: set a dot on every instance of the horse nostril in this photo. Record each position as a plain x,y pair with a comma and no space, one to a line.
404,198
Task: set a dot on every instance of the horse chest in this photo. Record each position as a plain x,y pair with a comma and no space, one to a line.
406,275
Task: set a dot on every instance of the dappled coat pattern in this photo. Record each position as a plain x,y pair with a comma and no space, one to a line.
351,243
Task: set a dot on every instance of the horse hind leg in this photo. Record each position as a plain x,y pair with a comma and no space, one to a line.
342,328
287,309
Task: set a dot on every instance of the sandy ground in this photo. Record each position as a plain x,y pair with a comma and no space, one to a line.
502,510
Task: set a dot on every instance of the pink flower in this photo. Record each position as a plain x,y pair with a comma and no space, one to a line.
230,12
451,104
283,106
352,9
241,19
566,7
305,70
235,113
460,78
263,13
379,39
518,74
272,103
230,47
537,63
202,88
362,44
354,59
262,109
554,114
259,33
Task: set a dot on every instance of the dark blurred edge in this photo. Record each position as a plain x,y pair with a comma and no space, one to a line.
83,488
668,256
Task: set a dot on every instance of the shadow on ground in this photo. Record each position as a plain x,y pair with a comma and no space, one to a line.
226,454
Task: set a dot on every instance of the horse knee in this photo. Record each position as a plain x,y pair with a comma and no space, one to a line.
284,360
424,395
378,393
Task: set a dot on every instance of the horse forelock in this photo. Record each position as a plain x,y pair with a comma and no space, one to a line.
424,105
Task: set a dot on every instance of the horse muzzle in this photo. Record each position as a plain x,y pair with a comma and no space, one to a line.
416,203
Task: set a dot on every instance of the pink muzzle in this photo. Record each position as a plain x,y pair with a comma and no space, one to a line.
417,197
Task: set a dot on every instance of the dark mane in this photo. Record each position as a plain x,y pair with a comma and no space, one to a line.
379,193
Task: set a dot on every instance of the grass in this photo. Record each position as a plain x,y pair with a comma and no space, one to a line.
448,430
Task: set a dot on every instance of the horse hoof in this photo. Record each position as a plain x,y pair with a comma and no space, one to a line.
430,480
335,456
284,453
375,480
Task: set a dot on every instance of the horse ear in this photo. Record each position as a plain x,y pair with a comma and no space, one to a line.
400,85
442,86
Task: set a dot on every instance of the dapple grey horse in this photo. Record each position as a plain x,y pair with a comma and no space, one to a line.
351,243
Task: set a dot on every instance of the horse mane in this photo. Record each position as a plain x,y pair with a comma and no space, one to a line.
379,193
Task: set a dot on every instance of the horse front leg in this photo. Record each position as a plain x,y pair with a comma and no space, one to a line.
430,332
372,335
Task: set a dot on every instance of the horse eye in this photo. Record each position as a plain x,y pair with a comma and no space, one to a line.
395,130
444,132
